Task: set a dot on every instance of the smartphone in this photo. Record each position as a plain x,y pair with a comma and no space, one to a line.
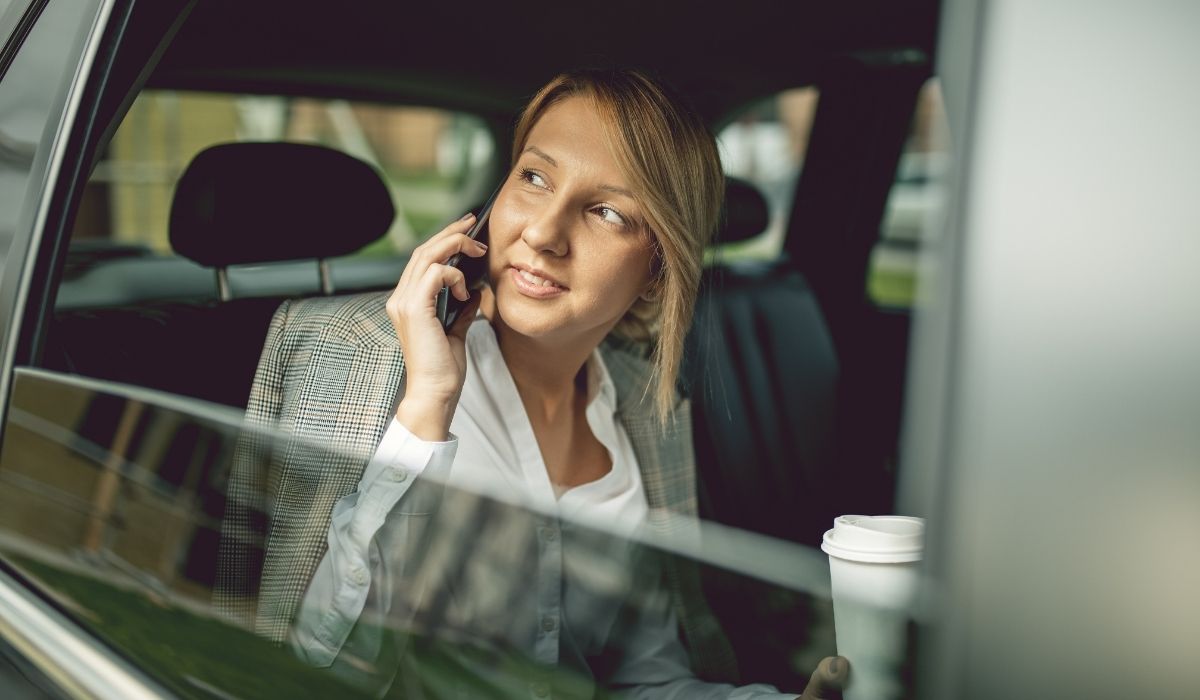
474,269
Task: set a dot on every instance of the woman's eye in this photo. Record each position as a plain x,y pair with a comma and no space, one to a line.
610,215
533,178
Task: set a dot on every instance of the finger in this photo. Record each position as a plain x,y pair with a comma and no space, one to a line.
828,681
421,254
463,322
454,228
442,250
438,276
459,225
419,299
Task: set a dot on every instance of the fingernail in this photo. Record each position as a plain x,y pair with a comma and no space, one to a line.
466,216
481,244
834,666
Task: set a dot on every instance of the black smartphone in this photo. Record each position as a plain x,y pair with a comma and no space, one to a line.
474,269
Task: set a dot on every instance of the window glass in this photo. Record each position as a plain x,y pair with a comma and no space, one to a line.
29,93
916,196
765,145
437,163
201,544
193,545
4,5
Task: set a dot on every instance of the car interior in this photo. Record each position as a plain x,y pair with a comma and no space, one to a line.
794,371
791,363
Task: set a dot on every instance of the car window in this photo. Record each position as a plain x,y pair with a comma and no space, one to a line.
437,163
7,23
167,529
765,145
915,199
190,534
10,16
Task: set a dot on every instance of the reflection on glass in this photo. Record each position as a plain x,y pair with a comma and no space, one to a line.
167,531
27,100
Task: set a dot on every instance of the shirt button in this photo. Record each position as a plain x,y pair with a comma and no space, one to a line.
358,575
549,623
399,474
540,690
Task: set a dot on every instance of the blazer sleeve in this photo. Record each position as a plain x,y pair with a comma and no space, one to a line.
246,518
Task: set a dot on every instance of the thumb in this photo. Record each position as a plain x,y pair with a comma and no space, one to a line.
828,681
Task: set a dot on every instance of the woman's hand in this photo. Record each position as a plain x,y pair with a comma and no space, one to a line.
828,681
435,360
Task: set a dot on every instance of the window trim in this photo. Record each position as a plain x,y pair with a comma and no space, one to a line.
18,267
72,659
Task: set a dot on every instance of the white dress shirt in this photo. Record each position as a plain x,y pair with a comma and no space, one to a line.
516,570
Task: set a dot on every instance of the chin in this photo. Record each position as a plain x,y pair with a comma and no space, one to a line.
561,319
530,322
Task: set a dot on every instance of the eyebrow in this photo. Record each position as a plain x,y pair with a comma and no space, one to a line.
546,157
617,190
539,152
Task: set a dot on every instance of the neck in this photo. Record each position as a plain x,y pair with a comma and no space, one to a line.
549,375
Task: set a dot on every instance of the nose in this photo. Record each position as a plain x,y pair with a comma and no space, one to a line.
547,230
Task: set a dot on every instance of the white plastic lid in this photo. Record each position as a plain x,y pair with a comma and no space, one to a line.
884,539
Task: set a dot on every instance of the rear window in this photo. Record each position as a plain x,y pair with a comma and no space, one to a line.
765,144
913,204
437,163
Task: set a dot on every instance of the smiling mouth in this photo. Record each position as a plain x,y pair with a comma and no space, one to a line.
535,280
535,286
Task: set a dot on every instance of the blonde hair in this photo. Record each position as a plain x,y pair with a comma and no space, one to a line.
669,159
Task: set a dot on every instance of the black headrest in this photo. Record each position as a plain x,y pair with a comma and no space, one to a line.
240,203
745,214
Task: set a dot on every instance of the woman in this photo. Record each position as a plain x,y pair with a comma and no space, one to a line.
596,239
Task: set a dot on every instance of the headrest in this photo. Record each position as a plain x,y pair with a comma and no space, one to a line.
240,203
745,213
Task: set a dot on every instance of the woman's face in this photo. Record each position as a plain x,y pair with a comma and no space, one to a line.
570,252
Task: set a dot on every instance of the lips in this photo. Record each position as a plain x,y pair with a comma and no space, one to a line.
535,279
534,283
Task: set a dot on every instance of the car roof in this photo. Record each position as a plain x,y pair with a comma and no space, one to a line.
490,57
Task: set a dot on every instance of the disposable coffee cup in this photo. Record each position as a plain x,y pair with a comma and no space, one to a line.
873,562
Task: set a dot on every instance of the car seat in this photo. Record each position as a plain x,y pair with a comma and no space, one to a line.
236,204
762,375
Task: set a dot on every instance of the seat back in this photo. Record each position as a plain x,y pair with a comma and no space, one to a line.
763,378
235,204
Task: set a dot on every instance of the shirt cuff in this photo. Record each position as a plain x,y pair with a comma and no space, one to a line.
402,456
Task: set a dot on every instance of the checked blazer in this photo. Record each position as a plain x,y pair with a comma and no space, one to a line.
323,395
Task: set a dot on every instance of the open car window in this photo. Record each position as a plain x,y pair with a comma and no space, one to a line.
142,503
